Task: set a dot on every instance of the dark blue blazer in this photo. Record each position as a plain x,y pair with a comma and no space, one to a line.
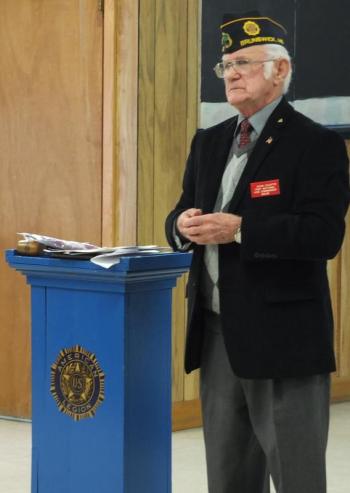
274,294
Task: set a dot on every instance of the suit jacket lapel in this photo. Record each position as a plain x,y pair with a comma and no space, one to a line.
216,160
266,142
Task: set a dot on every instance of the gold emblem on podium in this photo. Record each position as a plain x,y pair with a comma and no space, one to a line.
77,383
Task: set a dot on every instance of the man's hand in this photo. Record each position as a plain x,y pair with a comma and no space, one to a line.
181,220
205,229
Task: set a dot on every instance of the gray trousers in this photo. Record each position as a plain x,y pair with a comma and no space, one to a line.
254,428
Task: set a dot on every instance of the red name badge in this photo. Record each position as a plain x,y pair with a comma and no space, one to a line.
264,188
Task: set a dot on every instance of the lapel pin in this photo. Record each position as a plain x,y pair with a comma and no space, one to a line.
280,120
269,140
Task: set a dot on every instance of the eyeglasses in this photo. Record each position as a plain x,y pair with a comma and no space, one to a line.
242,66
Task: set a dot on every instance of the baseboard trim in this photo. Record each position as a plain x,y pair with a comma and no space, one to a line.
340,389
13,418
187,414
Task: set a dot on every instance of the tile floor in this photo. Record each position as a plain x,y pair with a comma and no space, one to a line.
188,456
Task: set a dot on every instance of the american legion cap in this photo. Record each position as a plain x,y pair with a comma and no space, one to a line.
243,30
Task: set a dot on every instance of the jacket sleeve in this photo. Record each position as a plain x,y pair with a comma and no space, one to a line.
314,229
187,199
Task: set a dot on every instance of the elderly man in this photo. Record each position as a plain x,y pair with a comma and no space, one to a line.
263,205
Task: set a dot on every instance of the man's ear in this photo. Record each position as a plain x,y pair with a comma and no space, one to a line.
281,71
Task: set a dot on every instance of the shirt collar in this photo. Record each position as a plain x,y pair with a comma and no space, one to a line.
259,119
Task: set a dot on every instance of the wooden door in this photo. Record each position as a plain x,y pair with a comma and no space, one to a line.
50,148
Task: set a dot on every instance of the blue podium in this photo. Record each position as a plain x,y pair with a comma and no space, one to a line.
101,373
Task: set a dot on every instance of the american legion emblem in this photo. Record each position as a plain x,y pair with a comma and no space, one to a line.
251,28
77,383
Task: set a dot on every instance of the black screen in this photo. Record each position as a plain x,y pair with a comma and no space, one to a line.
318,42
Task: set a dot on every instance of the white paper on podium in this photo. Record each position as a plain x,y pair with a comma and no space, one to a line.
107,260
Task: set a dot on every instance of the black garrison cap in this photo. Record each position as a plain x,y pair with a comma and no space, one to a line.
249,29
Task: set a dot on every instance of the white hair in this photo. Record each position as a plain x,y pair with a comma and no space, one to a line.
277,51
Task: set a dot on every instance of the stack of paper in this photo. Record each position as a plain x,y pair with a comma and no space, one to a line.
103,256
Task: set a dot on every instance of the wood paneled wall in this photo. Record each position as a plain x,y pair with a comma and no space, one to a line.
168,96
120,99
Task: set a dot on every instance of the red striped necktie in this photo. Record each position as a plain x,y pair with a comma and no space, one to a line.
244,136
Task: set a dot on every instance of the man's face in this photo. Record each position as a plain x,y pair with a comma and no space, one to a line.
250,92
